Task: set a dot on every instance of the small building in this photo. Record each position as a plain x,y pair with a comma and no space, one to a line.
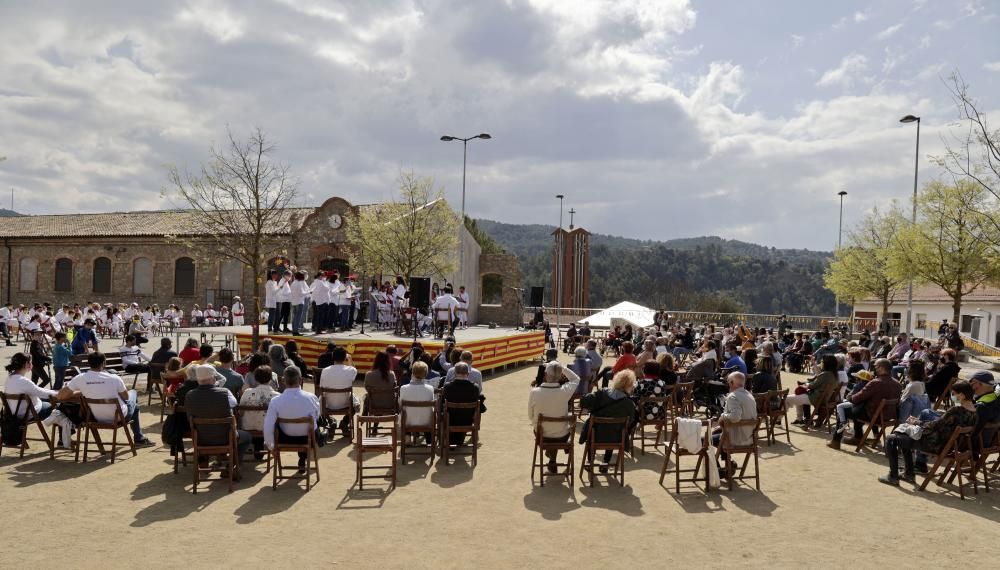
978,319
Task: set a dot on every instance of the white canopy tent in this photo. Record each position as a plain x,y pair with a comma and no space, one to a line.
621,314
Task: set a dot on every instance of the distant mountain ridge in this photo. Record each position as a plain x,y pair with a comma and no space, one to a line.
5,213
702,273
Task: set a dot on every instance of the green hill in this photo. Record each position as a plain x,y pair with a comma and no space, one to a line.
703,273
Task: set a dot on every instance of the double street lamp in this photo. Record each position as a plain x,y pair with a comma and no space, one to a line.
840,234
557,294
913,219
465,152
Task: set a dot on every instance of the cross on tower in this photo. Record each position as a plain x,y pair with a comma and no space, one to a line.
571,212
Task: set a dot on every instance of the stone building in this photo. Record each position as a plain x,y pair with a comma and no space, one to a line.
138,256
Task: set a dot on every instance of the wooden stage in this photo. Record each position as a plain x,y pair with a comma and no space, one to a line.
491,348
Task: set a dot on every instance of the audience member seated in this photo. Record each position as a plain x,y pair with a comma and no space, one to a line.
733,359
18,383
133,360
581,366
810,392
596,361
339,375
278,359
461,391
162,355
259,395
651,386
739,406
418,390
96,384
551,399
234,380
627,360
207,401
667,372
933,434
292,352
291,404
987,402
947,370
613,402
764,380
191,351
206,355
475,376
914,399
865,402
173,375
326,358
705,367
380,377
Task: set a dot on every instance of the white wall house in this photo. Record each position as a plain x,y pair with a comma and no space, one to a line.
979,314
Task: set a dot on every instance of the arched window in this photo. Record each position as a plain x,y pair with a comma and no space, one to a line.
184,276
231,276
28,274
102,275
64,274
142,276
492,289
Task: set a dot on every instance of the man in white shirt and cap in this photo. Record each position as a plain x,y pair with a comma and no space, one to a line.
551,399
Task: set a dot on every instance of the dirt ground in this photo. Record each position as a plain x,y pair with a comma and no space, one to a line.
817,508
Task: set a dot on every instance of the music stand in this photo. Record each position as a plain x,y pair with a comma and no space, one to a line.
362,331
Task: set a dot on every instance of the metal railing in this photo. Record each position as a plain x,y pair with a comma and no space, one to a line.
796,322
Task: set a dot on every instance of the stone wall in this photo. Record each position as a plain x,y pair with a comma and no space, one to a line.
508,268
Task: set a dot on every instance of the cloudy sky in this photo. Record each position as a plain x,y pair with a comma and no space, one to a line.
656,118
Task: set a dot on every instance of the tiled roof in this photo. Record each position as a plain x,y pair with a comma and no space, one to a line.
148,223
933,293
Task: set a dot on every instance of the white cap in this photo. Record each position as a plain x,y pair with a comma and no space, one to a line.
204,372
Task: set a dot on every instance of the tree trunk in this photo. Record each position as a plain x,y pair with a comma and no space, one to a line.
956,309
255,336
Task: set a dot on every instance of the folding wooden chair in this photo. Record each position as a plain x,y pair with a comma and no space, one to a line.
826,409
241,412
375,444
727,446
227,450
957,454
944,399
988,445
309,448
762,402
539,462
23,402
418,430
368,409
885,418
592,446
777,414
678,452
686,402
91,425
155,382
328,412
652,403
180,453
471,430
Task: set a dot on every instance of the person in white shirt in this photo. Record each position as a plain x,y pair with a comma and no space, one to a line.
551,399
6,316
210,315
321,299
399,292
271,300
333,316
134,361
344,304
300,291
475,376
197,316
462,311
340,375
18,383
291,404
445,308
418,390
284,298
237,312
97,384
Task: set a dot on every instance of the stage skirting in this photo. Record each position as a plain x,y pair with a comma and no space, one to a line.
488,354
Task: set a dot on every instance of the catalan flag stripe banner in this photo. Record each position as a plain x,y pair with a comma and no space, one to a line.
487,353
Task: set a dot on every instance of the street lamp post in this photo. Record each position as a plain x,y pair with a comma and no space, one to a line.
840,234
913,219
557,296
465,153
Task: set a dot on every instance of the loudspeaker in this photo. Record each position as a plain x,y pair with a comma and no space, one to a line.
537,296
420,292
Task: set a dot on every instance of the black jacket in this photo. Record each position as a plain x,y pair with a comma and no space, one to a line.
602,405
209,402
38,356
461,392
938,381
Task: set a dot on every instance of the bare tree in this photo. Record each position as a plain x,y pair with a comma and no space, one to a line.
416,234
975,155
239,201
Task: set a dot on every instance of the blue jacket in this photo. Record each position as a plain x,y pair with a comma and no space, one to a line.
60,355
83,337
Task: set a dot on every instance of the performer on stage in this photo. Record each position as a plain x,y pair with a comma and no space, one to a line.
373,304
463,308
346,298
321,297
237,312
399,292
444,309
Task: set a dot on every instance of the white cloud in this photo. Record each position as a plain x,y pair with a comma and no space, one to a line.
217,21
888,32
892,59
992,66
850,71
797,40
925,41
860,16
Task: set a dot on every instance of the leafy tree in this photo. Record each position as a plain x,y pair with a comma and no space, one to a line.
486,243
860,269
949,246
416,234
241,199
